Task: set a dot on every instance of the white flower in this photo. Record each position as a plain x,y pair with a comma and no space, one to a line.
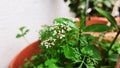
89,10
63,31
56,24
62,25
55,32
46,46
54,40
61,36
51,28
52,43
59,32
65,22
42,43
68,29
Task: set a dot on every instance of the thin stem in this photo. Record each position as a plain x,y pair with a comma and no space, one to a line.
113,41
86,8
82,62
25,39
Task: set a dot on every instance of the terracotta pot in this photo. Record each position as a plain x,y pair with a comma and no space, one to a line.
25,53
98,20
33,48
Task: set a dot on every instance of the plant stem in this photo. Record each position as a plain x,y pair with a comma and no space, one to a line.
114,40
82,62
25,39
86,8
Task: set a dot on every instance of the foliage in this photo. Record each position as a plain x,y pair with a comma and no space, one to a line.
78,6
23,31
66,45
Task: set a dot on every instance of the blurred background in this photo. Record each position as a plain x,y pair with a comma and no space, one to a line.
29,13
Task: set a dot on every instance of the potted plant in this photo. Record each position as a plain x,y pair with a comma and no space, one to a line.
78,7
65,45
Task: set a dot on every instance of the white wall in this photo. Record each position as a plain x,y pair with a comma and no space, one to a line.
29,13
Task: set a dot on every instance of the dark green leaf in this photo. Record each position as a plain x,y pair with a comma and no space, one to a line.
97,28
108,16
19,36
22,28
113,57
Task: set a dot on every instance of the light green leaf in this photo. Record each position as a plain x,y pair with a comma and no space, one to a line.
107,3
40,66
82,22
91,50
50,63
65,21
26,31
97,28
108,16
68,52
34,57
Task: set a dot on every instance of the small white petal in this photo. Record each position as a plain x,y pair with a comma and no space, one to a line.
55,32
63,31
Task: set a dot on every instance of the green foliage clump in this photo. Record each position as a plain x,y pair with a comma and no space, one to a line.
66,45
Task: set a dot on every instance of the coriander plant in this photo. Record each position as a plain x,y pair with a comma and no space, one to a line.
67,45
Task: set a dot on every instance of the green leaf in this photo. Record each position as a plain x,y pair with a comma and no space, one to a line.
113,57
107,3
72,53
97,28
82,22
19,36
50,63
40,66
68,52
65,21
22,28
108,16
72,42
26,31
34,57
91,50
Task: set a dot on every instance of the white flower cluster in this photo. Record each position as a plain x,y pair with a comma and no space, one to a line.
59,29
49,42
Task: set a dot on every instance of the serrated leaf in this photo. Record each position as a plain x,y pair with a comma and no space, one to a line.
108,16
91,50
19,36
97,28
65,21
72,53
